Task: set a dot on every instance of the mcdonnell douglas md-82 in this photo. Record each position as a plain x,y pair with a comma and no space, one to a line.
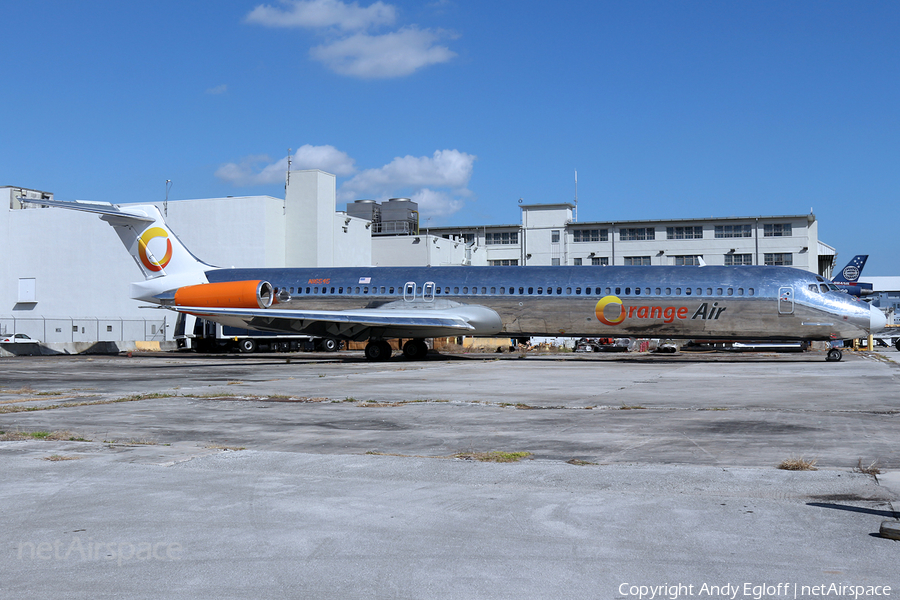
375,304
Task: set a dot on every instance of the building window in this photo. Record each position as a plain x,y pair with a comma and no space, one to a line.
554,236
777,230
684,233
600,261
576,262
637,261
779,259
501,238
514,262
590,235
554,262
688,260
735,260
734,231
468,238
637,234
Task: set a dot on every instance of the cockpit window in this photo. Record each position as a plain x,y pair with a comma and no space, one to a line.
814,288
823,287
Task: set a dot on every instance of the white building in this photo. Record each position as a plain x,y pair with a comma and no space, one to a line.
65,277
549,236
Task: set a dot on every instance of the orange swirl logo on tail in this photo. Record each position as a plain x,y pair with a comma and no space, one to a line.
600,310
154,232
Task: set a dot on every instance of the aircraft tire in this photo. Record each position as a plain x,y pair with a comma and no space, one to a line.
415,349
247,346
328,344
834,355
378,350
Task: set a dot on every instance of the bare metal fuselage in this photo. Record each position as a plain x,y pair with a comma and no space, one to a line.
655,302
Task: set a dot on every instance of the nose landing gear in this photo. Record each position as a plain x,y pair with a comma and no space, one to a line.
834,355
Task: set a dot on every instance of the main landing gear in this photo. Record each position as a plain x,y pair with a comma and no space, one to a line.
378,350
834,355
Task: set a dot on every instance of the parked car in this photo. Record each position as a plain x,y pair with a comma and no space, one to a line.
18,338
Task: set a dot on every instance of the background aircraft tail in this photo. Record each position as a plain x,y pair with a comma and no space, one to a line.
850,274
164,261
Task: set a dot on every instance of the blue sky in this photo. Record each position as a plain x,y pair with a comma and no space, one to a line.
666,109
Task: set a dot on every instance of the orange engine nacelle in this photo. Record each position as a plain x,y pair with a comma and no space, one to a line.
228,294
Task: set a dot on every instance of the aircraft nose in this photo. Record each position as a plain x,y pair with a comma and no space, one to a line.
877,320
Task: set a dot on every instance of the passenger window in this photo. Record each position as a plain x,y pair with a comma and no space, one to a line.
637,291
340,290
382,289
578,291
493,290
521,290
456,290
677,291
307,290
466,290
587,291
531,290
332,290
658,292
540,290
750,292
688,291
709,291
718,291
618,291
608,291
569,291
699,292
559,290
365,290
484,290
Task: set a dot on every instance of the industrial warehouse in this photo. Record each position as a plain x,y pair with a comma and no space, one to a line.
72,291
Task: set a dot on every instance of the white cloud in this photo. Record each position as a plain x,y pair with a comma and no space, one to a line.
394,54
436,204
439,183
254,170
219,89
351,47
313,14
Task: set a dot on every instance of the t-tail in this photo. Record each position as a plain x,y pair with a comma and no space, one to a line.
164,261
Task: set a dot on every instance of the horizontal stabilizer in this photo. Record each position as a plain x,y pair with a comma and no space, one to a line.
100,208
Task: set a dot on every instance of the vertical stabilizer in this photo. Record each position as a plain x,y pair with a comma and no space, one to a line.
164,261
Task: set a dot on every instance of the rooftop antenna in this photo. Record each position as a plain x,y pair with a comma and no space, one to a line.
576,195
287,180
166,201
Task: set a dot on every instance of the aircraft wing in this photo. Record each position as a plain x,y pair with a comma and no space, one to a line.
359,324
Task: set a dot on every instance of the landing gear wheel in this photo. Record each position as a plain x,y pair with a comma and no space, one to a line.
834,355
415,349
378,350
328,345
248,346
